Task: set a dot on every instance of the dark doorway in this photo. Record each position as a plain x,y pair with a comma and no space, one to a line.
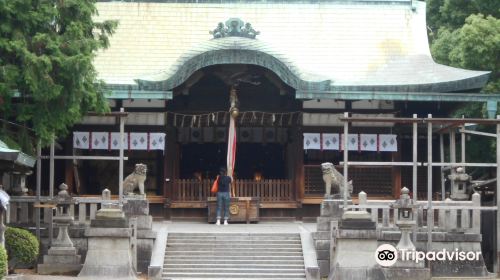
253,160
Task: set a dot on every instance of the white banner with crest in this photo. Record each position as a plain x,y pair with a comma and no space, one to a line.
111,140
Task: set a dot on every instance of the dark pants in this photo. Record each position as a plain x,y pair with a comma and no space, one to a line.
223,199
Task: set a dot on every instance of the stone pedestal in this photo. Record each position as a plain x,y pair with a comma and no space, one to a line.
137,206
354,254
330,211
109,247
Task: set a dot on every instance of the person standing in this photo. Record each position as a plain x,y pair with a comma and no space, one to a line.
223,195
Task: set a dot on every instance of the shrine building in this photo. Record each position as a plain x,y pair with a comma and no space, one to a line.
296,68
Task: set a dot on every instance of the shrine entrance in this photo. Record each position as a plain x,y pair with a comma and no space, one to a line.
266,130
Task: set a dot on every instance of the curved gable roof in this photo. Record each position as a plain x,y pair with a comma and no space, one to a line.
233,50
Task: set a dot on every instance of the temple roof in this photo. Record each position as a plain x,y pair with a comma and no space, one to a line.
323,45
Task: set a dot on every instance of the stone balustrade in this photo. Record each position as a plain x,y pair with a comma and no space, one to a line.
21,209
449,215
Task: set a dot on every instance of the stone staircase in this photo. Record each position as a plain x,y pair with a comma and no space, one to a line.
233,256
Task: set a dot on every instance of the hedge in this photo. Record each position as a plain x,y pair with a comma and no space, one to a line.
22,246
3,262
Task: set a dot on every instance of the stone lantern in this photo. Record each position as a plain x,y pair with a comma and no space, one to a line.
459,184
62,257
405,220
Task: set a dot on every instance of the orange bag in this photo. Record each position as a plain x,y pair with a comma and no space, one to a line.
215,186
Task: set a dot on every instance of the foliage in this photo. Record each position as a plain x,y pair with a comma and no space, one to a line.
451,14
3,262
476,45
465,34
46,54
22,246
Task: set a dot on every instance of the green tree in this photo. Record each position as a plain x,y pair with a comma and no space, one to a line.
47,80
476,45
465,34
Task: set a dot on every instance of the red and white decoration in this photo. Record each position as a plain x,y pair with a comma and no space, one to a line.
356,142
231,147
111,140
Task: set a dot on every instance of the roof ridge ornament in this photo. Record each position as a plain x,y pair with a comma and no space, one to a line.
235,27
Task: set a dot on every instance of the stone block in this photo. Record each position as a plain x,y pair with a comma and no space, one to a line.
321,235
463,237
108,243
109,223
392,273
70,259
356,215
144,222
357,234
324,268
323,223
357,224
110,213
322,244
52,269
360,273
136,207
108,232
331,208
323,254
144,250
109,254
57,251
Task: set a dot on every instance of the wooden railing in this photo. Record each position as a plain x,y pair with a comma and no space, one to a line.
375,180
266,190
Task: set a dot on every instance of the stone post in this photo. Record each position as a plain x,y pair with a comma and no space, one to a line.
330,213
136,208
62,257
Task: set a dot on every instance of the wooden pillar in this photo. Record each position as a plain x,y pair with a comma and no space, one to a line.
68,167
297,161
171,161
121,152
396,172
346,158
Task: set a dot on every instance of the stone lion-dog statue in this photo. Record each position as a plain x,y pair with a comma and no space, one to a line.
332,177
135,180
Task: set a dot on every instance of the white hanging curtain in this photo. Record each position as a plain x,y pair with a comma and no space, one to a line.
356,142
111,140
312,141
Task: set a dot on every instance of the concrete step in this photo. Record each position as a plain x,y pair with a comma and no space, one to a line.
231,254
219,275
212,247
176,234
240,266
232,241
233,270
258,260
231,278
231,236
287,258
